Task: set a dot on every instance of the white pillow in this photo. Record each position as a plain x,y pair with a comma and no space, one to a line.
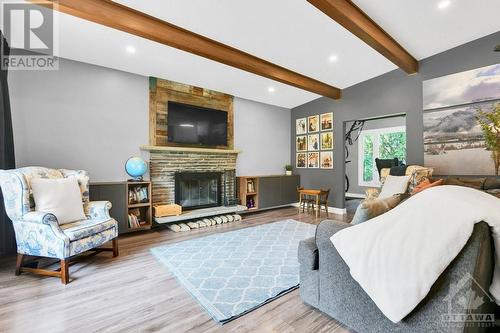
61,197
394,185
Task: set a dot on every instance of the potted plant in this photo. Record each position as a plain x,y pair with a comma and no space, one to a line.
288,169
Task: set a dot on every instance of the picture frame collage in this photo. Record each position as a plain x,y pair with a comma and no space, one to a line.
314,141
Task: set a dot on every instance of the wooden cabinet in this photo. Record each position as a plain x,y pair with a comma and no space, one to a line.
118,194
272,191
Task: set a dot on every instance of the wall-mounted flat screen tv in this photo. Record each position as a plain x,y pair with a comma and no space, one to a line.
193,125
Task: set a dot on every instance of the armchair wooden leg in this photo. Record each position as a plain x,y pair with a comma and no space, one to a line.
19,263
64,271
115,247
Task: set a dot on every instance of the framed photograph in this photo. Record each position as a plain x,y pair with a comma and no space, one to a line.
327,140
313,160
301,161
313,124
301,142
326,120
313,142
301,126
326,159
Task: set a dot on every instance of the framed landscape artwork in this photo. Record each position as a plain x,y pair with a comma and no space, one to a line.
459,136
327,140
301,160
313,160
326,159
313,124
326,120
301,126
313,142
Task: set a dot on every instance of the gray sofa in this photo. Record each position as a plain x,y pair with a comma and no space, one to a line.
326,284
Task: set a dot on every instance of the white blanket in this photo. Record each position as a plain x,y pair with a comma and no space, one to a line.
396,257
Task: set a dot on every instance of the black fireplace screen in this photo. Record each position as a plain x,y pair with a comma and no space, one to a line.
198,189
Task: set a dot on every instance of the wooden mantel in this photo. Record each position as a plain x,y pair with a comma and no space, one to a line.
189,149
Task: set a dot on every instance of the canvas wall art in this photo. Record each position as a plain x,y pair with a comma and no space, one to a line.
327,140
301,143
457,129
313,160
301,160
313,124
326,158
313,142
326,120
301,126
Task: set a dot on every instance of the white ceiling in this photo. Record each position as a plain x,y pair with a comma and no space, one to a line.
290,33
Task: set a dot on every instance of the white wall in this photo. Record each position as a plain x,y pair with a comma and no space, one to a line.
262,133
94,118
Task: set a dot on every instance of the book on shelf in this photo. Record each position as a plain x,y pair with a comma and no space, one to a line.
135,220
250,186
137,195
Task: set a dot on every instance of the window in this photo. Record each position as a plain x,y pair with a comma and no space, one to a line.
382,143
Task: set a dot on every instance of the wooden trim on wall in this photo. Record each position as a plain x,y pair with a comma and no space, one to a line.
123,18
162,91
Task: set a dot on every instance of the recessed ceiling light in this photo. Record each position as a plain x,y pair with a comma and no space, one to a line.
444,4
130,49
271,89
333,58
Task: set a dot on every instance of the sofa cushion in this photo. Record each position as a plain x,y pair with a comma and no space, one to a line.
417,175
425,185
61,197
84,228
369,209
394,185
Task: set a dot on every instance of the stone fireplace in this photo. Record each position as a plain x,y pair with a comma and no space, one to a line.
198,189
170,163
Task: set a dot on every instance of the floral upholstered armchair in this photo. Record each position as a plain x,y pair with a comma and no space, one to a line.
39,233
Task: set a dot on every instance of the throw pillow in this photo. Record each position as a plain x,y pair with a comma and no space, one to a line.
418,174
394,185
369,209
425,185
61,197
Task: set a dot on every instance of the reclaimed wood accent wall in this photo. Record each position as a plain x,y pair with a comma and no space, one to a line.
162,91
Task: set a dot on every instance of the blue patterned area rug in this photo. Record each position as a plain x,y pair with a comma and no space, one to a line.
235,272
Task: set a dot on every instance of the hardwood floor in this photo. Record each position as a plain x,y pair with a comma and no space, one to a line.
135,293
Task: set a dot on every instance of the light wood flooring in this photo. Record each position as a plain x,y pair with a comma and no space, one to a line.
135,293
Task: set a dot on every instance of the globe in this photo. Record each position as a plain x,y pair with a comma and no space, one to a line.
136,167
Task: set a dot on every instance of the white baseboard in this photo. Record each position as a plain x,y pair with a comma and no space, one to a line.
334,210
355,195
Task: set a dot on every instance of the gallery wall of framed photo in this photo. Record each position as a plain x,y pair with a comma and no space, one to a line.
314,142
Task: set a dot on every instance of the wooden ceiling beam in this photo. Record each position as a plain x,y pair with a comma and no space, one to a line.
129,20
351,17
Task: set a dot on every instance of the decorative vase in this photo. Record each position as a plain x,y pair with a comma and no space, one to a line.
288,172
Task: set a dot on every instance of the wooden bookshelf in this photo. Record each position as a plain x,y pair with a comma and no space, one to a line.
249,192
139,205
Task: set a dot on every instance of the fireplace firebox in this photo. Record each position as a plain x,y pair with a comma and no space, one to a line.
198,189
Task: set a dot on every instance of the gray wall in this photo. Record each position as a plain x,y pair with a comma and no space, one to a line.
262,132
79,117
351,168
94,118
391,93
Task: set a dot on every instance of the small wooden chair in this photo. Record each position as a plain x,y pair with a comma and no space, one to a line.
323,201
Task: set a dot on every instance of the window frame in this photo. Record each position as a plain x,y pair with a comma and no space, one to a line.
376,133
